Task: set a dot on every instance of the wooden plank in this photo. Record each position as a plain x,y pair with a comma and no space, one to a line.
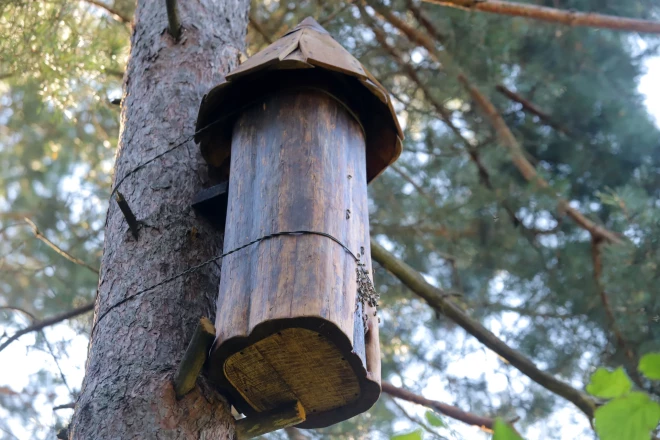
322,50
267,57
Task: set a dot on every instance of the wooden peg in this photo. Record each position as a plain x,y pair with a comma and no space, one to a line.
194,358
287,415
128,214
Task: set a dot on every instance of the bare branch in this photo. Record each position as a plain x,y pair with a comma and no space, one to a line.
113,12
439,301
569,18
57,249
39,325
443,408
57,363
173,19
71,405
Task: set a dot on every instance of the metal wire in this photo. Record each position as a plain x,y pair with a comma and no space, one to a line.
220,257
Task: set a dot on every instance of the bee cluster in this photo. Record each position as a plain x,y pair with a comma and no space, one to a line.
366,293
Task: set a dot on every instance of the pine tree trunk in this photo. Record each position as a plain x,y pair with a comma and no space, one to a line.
136,347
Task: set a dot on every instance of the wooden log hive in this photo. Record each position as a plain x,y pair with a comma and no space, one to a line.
304,128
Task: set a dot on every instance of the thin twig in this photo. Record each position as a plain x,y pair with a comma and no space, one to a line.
57,363
71,405
331,16
532,108
260,29
543,13
113,12
416,420
443,408
39,325
596,256
18,309
56,248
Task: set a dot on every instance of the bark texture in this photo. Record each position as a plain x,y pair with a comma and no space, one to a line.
135,349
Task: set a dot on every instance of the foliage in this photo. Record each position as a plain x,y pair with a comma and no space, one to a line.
629,414
649,365
503,431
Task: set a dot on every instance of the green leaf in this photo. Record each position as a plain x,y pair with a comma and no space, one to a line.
609,384
434,419
504,431
415,435
631,417
649,365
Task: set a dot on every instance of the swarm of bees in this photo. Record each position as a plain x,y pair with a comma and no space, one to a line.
366,293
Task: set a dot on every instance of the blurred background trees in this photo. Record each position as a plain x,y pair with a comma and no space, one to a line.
455,206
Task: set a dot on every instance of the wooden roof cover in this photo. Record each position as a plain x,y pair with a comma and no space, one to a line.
306,56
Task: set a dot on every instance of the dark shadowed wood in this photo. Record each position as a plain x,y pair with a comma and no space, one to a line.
297,163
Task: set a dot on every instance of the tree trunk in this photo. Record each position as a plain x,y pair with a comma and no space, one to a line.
136,346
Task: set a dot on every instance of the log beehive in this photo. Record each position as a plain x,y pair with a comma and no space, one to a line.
302,127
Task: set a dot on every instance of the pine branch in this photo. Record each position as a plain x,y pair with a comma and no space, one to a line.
113,12
531,108
437,299
39,325
569,18
504,133
443,408
56,248
443,113
525,168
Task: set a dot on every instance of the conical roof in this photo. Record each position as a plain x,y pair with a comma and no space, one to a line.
312,52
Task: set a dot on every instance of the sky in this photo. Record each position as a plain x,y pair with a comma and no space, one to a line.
19,362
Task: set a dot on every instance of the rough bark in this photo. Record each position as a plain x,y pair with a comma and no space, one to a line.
135,349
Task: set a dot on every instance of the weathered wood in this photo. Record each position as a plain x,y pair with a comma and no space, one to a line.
194,358
287,415
128,214
298,163
307,45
